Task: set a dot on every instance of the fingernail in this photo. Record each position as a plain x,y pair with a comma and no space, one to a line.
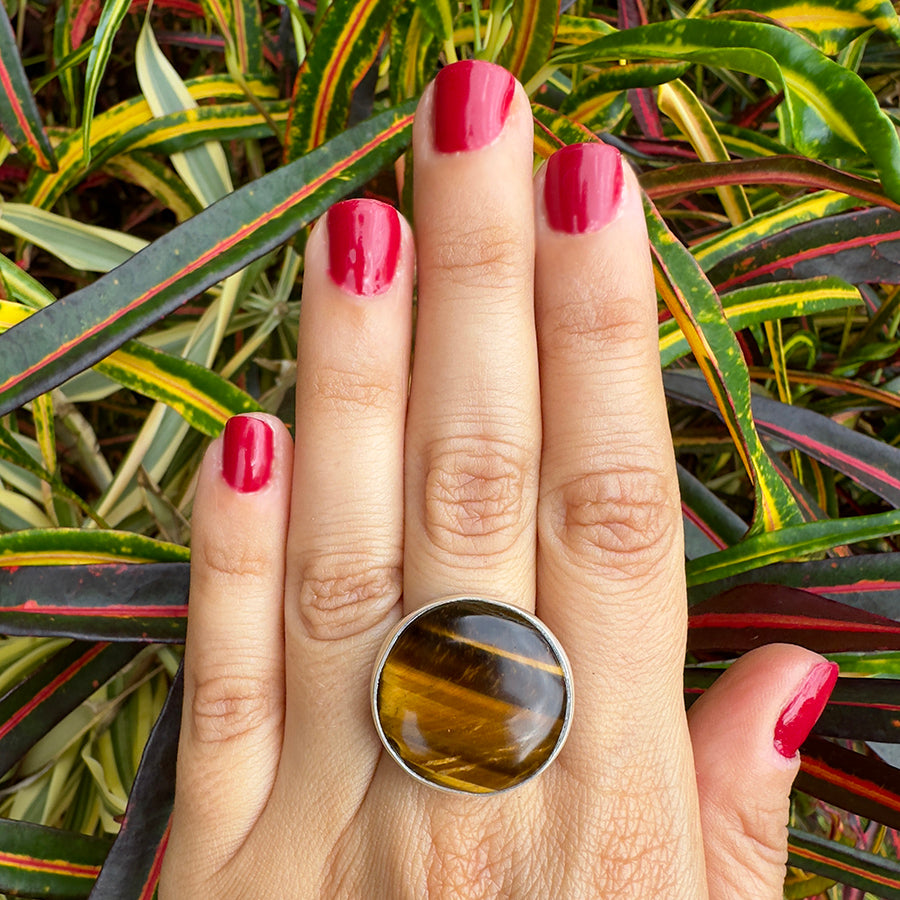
363,246
799,716
583,187
248,446
471,103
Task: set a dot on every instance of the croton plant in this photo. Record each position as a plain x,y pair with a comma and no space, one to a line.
159,167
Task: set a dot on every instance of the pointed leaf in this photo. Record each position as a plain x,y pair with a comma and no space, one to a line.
19,116
695,307
77,244
531,37
791,542
202,397
753,305
783,171
132,868
74,546
831,24
344,48
204,168
111,18
76,331
868,581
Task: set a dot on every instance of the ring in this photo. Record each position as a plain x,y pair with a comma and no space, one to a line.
472,695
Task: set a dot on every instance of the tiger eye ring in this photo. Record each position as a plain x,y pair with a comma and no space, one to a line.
472,695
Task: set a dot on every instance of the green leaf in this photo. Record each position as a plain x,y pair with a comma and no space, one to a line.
343,49
438,16
806,208
76,331
867,581
203,398
114,602
695,307
204,168
531,38
780,171
41,862
820,95
73,546
114,11
872,463
81,246
132,867
19,116
791,542
831,24
130,125
852,867
862,246
764,303
51,692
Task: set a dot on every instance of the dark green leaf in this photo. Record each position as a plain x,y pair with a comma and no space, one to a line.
131,870
146,602
47,863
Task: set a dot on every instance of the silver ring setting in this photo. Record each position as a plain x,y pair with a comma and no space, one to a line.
472,695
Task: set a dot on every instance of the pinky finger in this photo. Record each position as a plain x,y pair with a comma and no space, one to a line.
745,732
231,727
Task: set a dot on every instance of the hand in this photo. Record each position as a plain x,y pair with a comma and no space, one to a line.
528,459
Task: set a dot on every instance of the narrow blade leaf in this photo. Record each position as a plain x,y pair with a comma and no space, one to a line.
41,862
113,602
19,116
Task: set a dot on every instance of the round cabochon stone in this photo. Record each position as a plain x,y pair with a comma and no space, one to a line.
472,695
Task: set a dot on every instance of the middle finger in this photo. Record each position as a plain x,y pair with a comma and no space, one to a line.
473,432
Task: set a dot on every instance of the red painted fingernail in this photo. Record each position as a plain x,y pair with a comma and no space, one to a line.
248,446
583,187
799,716
363,246
471,103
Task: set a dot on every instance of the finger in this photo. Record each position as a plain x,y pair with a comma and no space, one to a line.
746,730
610,567
345,543
611,564
474,429
234,661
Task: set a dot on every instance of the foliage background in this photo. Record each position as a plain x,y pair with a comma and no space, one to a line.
158,169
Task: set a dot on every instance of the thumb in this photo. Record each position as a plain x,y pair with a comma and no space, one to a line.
745,732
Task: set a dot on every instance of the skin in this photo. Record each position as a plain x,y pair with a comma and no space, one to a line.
529,460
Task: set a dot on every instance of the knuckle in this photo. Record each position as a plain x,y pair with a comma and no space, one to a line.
341,596
235,559
491,255
228,707
622,521
475,497
344,389
610,327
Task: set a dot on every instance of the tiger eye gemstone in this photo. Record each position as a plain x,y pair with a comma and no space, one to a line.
472,695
